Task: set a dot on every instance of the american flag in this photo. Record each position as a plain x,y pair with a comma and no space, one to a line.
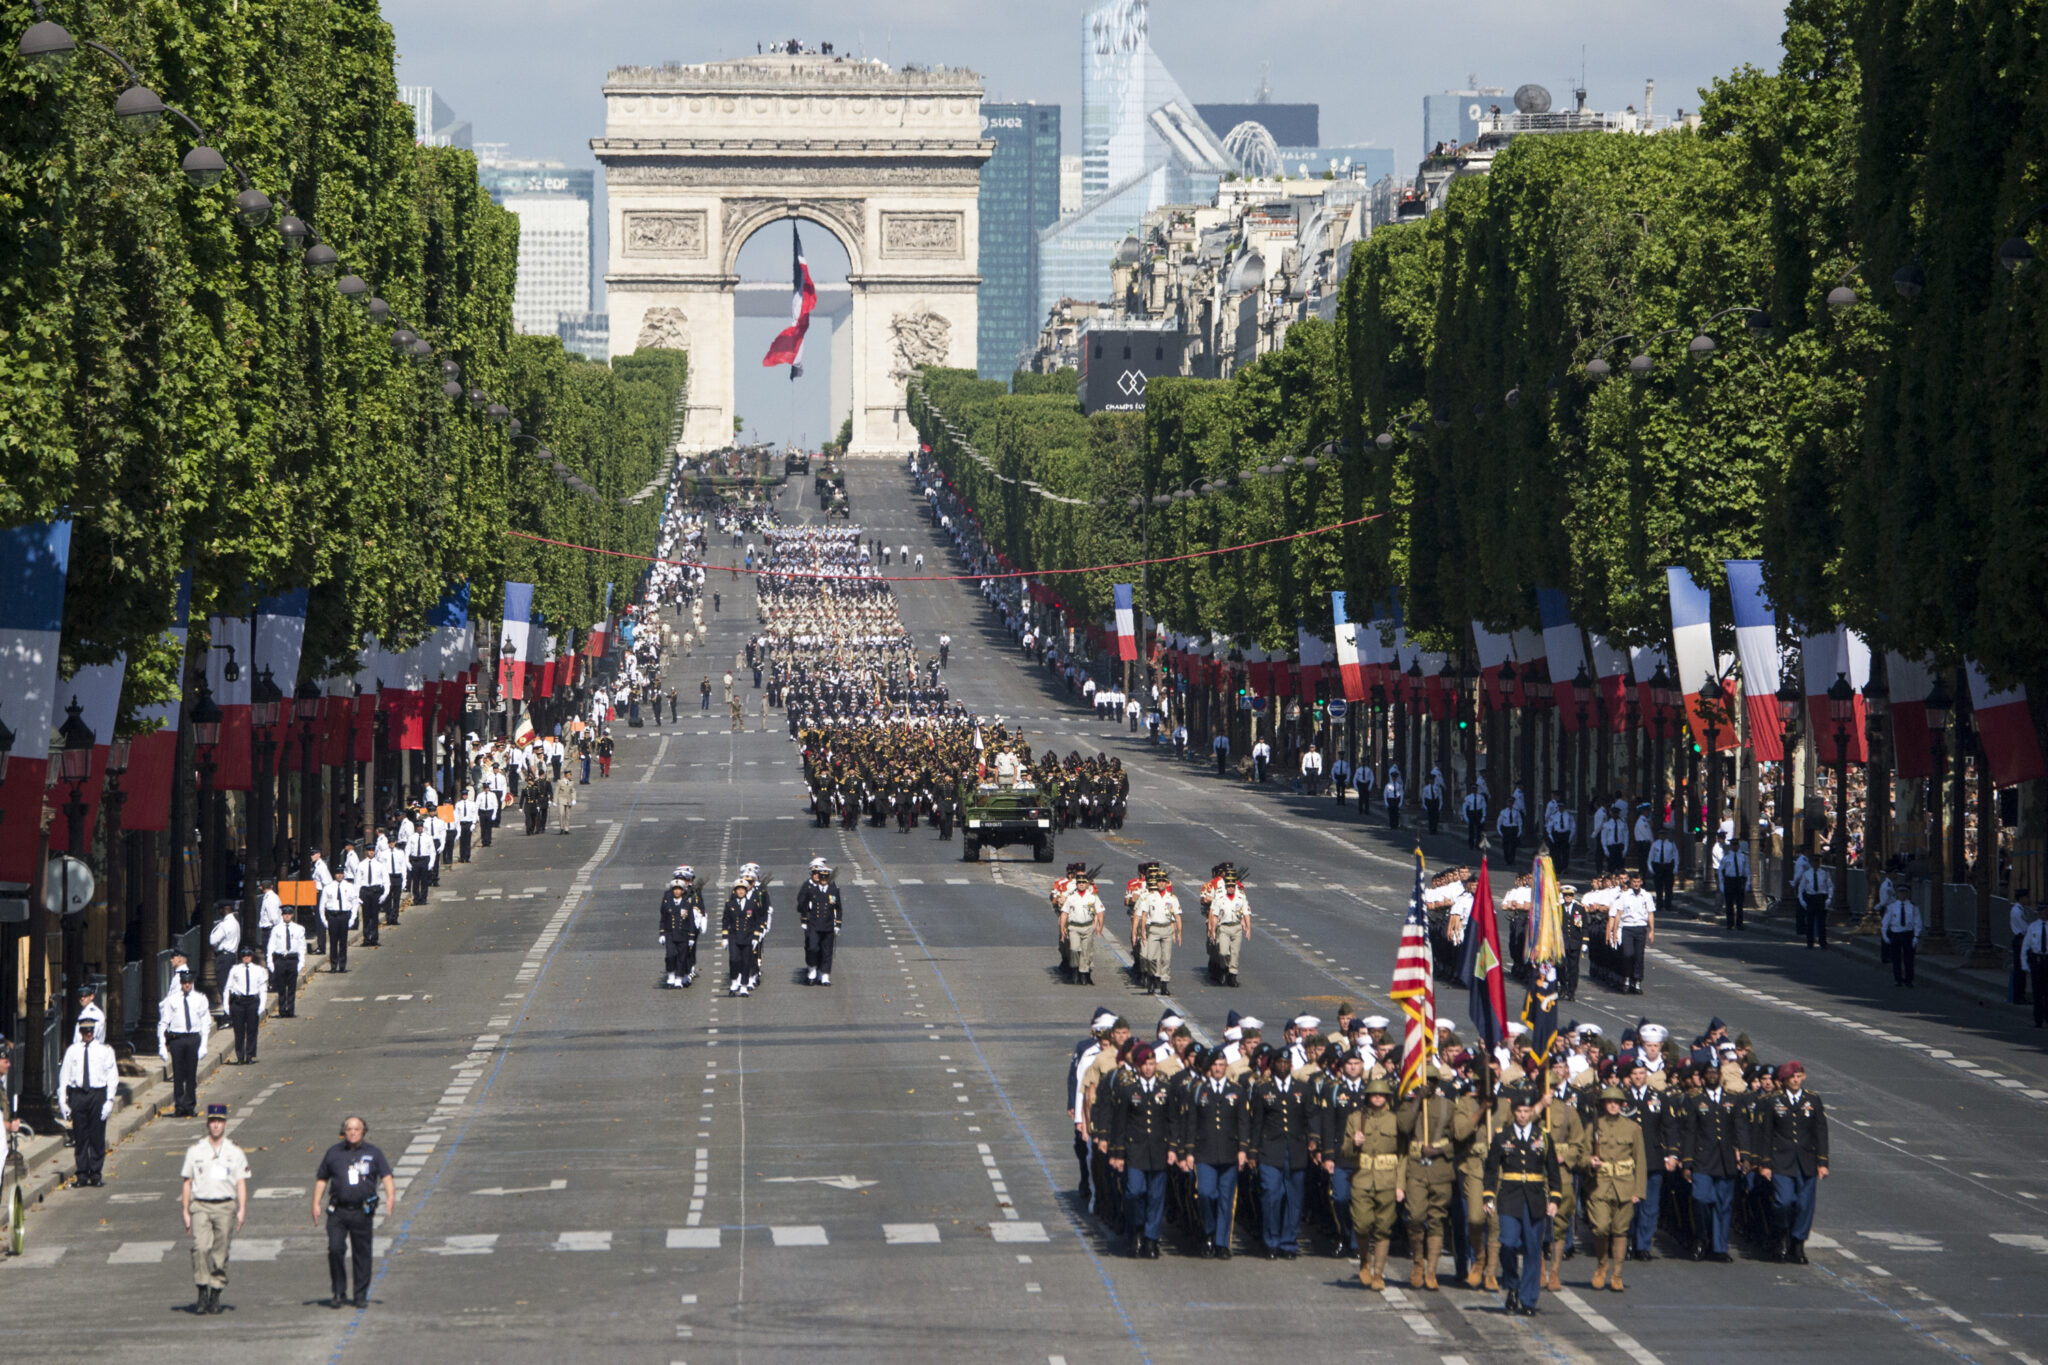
1415,989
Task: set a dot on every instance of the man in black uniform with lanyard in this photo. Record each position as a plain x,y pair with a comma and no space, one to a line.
1215,1128
1139,1113
352,1177
819,910
1523,1185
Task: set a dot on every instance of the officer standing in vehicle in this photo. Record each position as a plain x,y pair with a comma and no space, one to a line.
819,910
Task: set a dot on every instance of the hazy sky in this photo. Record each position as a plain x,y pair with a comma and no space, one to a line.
528,73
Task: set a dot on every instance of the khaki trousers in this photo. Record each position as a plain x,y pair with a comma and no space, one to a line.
1229,945
1081,946
213,1228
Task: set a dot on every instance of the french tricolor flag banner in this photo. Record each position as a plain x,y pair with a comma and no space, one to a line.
527,640
337,721
231,651
33,561
1824,658
1909,681
1494,651
1566,650
368,685
280,638
153,757
594,647
1756,645
1528,653
1643,663
2006,730
788,346
1126,623
405,696
1610,670
1350,673
1692,644
97,690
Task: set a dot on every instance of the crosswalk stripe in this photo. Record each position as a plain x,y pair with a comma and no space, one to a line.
798,1235
584,1241
466,1244
693,1239
258,1248
139,1253
910,1234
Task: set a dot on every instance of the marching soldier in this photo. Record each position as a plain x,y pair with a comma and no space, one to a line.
682,920
1524,1186
1155,930
1793,1156
819,910
1082,921
1140,1149
1567,1133
1369,1153
735,924
1213,1138
214,1200
1280,1133
1619,1167
1572,919
1429,1174
1057,898
1645,1107
1343,1096
1230,924
1713,1137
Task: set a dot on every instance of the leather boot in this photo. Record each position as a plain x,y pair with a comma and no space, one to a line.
1600,1271
1553,1255
1491,1281
1475,1237
1416,1246
1379,1265
1365,1264
1431,1255
1617,1250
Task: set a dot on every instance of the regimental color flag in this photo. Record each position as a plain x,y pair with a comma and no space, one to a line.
1126,623
1415,990
788,347
1481,969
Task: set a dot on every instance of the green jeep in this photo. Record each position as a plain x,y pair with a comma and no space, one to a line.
994,816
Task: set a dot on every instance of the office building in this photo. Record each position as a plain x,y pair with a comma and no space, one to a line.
554,261
509,179
1142,146
433,123
1452,118
1070,186
1020,196
1292,125
586,334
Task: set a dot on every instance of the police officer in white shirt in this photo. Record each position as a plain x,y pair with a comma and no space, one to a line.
88,1008
1734,885
1614,839
487,806
2018,918
2034,952
246,988
1340,777
1474,811
1508,824
1433,800
1560,827
225,938
1662,861
1395,792
1262,758
465,823
284,954
1900,927
271,911
1311,770
332,908
85,1098
1816,891
182,1024
1636,911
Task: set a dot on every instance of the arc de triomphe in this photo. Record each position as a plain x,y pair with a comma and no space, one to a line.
698,158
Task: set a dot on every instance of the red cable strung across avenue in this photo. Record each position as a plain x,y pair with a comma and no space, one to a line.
961,577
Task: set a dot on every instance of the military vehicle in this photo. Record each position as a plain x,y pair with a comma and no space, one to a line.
995,816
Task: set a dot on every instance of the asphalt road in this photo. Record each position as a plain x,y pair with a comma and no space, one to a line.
599,1169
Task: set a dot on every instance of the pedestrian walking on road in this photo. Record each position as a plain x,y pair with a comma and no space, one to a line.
183,1022
214,1202
287,949
565,797
248,986
352,1178
86,1081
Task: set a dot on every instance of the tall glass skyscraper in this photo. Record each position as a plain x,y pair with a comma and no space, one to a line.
1142,145
1020,196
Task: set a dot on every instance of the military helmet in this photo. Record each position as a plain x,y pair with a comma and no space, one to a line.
1615,1093
1378,1086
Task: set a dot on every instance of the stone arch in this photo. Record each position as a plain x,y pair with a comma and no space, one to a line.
840,217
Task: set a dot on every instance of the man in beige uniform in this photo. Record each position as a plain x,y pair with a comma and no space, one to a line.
1081,919
215,1201
1155,931
1230,923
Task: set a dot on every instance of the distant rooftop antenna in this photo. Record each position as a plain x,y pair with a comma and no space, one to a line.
1264,94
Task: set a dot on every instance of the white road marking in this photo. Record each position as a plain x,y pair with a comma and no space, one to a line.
798,1235
909,1234
584,1241
701,1239
139,1253
466,1244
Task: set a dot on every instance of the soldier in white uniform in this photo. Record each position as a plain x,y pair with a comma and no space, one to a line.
1155,931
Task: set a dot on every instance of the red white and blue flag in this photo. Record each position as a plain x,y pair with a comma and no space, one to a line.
788,347
1126,623
1415,990
1756,644
1349,670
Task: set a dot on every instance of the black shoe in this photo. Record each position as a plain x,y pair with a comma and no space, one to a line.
1207,1252
361,1301
1290,1255
1646,1256
200,1300
213,1301
1720,1258
1269,1253
1798,1256
1513,1304
335,1302
1222,1253
1527,1310
1699,1252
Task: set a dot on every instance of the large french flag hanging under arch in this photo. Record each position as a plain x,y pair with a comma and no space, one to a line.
788,347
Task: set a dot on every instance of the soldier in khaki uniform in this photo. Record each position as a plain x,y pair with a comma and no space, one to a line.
1082,916
1155,930
1230,924
1560,1118
1619,1175
1371,1152
1473,1128
1429,1132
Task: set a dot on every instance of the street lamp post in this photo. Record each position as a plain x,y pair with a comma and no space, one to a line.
266,699
1938,705
1582,697
1713,710
117,902
1504,720
1842,712
1790,702
306,710
205,743
75,767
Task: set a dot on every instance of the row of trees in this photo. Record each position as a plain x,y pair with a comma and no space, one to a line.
1866,416
178,383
